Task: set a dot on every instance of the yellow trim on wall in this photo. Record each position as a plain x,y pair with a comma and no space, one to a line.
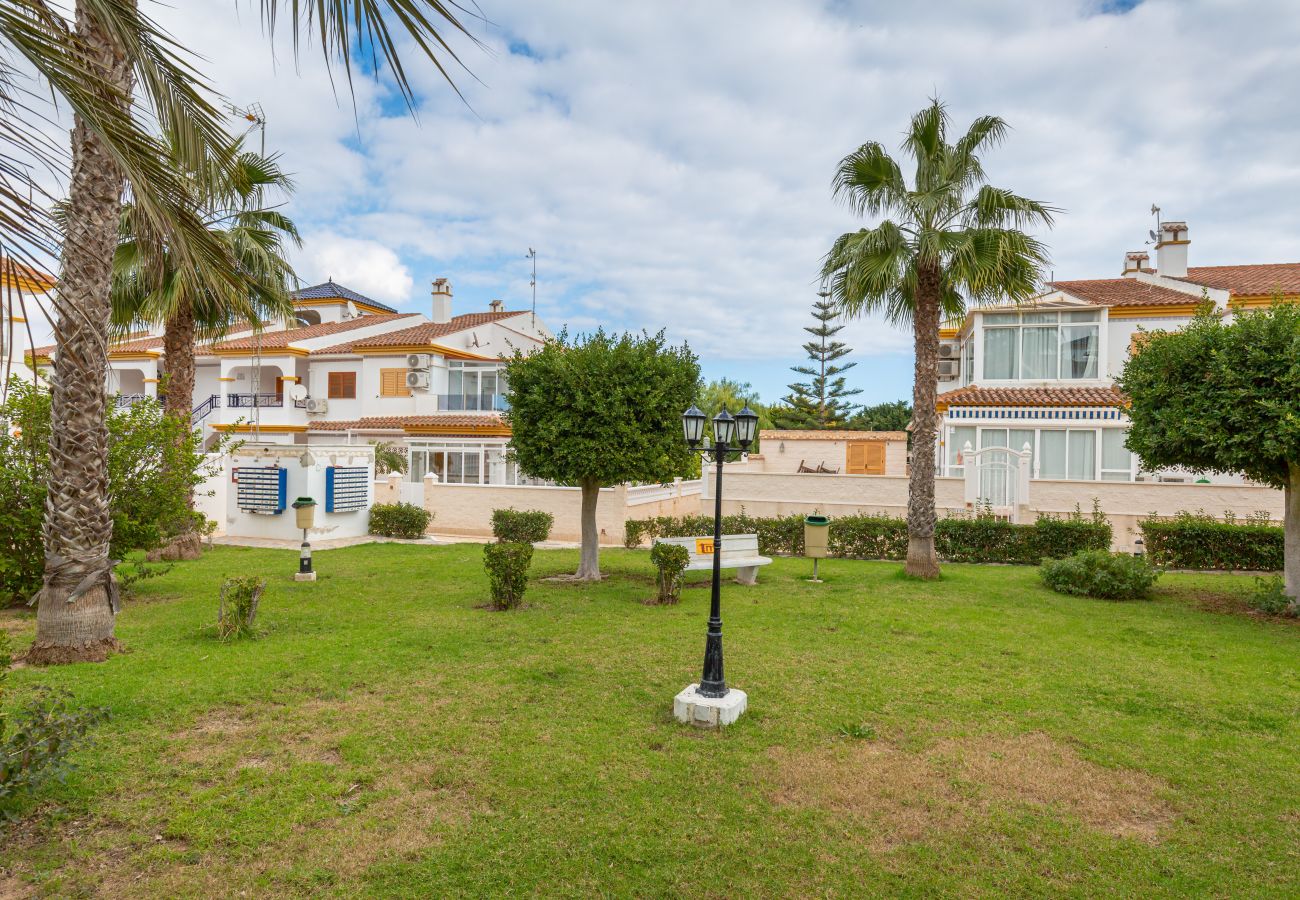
343,301
947,334
269,429
403,349
1138,312
272,351
476,430
153,381
1259,301
145,355
225,379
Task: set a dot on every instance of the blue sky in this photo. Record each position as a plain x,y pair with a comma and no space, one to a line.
671,162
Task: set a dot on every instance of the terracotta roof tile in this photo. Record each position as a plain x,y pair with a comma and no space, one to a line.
278,340
1248,280
974,395
1123,292
393,423
423,334
139,345
770,434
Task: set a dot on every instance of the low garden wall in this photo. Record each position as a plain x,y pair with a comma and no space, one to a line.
466,509
1125,504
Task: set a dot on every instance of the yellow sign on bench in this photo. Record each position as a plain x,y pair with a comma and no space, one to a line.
704,546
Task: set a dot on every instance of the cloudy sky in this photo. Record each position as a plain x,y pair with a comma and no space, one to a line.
671,161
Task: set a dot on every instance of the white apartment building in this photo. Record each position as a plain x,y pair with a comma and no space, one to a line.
1042,375
350,369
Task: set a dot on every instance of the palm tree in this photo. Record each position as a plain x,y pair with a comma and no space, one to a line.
94,63
953,239
149,288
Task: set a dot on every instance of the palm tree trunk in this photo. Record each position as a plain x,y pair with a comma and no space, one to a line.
178,353
589,562
78,603
922,561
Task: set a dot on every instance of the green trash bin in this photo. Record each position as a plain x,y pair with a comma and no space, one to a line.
816,537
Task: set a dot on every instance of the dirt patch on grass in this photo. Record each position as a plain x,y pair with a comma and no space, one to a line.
1224,603
903,796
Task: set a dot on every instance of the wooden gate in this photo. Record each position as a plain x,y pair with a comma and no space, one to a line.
865,458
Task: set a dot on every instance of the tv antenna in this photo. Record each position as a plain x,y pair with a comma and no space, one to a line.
254,115
1155,235
532,254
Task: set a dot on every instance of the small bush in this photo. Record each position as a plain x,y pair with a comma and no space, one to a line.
527,526
1099,573
1200,541
399,520
670,560
506,563
35,741
1270,598
238,607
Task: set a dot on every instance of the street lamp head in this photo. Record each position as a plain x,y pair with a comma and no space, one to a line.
746,426
724,427
693,425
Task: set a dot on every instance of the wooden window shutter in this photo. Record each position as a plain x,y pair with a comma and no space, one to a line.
392,383
865,458
342,385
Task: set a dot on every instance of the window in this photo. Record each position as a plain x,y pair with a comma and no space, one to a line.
342,386
957,439
1041,346
458,461
392,383
1068,453
1116,460
474,386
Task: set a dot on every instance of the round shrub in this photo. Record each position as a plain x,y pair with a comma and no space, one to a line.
399,520
1100,573
522,525
506,563
670,560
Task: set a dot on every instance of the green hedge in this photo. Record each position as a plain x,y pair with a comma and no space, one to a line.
399,520
527,526
1200,541
977,540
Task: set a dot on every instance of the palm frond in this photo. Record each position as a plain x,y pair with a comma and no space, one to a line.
869,181
993,207
344,26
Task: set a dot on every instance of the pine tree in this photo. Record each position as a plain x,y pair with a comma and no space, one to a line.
819,402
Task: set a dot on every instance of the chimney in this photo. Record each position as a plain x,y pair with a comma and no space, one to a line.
1171,250
1136,261
441,301
497,306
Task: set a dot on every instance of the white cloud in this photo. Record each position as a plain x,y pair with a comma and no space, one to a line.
363,265
671,162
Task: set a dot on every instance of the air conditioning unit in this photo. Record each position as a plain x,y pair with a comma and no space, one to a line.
949,350
417,380
317,405
418,361
949,368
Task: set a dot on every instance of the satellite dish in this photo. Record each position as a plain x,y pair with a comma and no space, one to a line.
352,310
298,392
1154,236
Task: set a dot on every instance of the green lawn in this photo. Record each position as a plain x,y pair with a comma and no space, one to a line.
388,737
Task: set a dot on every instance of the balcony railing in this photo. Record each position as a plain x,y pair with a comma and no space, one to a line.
247,401
204,409
121,401
472,402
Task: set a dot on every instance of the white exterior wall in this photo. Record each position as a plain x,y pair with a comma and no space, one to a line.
306,478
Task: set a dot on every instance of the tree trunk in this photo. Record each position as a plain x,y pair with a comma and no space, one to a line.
589,564
78,602
178,354
1291,539
922,561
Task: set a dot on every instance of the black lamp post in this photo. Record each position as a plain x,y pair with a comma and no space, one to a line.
729,434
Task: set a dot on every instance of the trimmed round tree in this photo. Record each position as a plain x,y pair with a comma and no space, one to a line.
600,410
1223,395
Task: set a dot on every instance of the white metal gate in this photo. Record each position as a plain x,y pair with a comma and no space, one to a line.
997,479
412,492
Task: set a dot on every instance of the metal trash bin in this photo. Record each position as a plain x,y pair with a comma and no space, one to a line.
305,509
816,537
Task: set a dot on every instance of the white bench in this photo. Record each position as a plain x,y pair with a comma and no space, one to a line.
739,551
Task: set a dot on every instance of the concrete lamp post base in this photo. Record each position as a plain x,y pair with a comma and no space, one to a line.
304,576
709,712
